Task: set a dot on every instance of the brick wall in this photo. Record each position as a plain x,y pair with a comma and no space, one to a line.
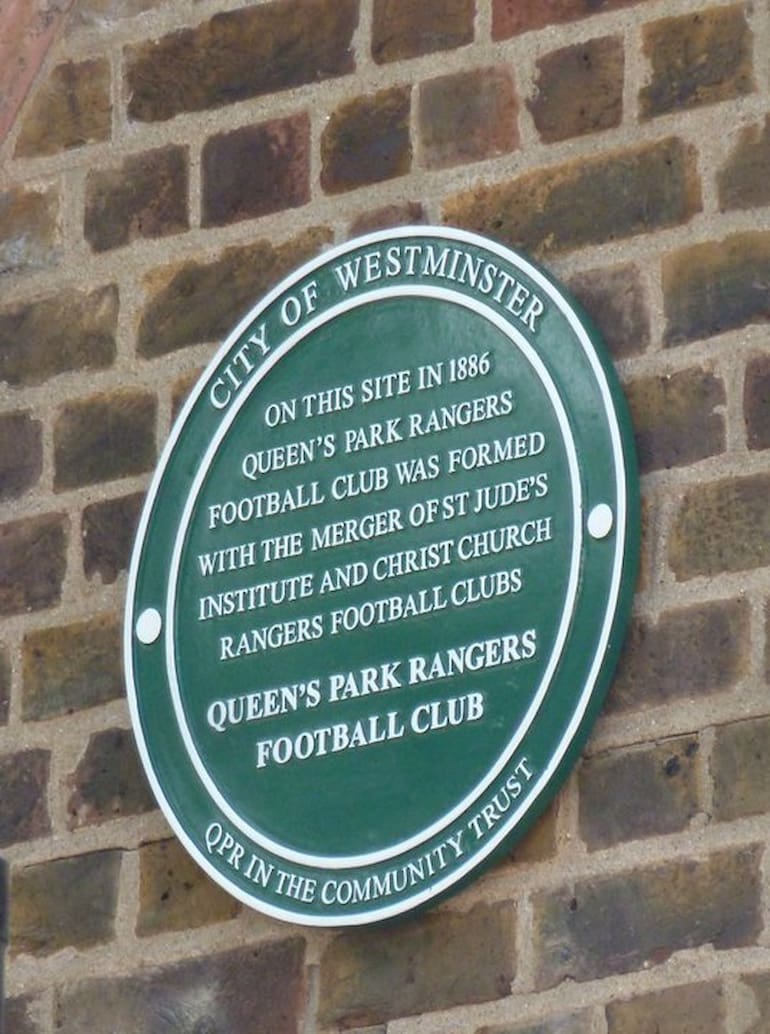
174,159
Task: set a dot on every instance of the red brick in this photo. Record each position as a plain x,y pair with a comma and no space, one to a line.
579,89
33,562
29,230
71,330
598,926
109,529
697,59
240,54
70,108
366,140
66,669
104,437
145,197
21,453
411,213
437,962
467,116
717,286
256,170
615,300
743,180
404,30
587,201
257,989
512,17
108,782
24,806
691,1009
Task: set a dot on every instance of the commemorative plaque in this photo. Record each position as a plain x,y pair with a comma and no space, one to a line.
382,577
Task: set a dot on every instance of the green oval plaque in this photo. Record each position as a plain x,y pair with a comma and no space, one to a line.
382,577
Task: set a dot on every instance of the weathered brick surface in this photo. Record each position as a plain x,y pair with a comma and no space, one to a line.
69,901
24,805
638,792
756,402
5,685
467,116
697,59
615,300
402,30
564,1023
366,140
678,418
615,924
146,196
21,453
254,990
511,17
256,170
585,202
240,54
71,108
411,213
66,669
692,1009
104,437
579,89
98,14
109,529
29,230
540,842
690,652
108,782
33,561
722,526
202,301
758,985
717,286
70,330
175,893
740,769
436,962
743,181
20,1015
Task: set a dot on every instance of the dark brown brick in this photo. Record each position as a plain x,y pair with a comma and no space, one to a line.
21,453
109,781
240,54
5,685
691,652
181,390
437,962
29,231
256,170
756,402
633,920
33,561
676,418
202,301
692,1009
109,529
402,30
175,893
23,1015
71,108
717,286
740,769
697,59
252,990
104,437
758,985
67,669
615,300
366,140
722,526
71,330
24,806
145,197
512,17
579,89
743,180
587,201
564,1023
639,792
467,117
67,902
411,213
